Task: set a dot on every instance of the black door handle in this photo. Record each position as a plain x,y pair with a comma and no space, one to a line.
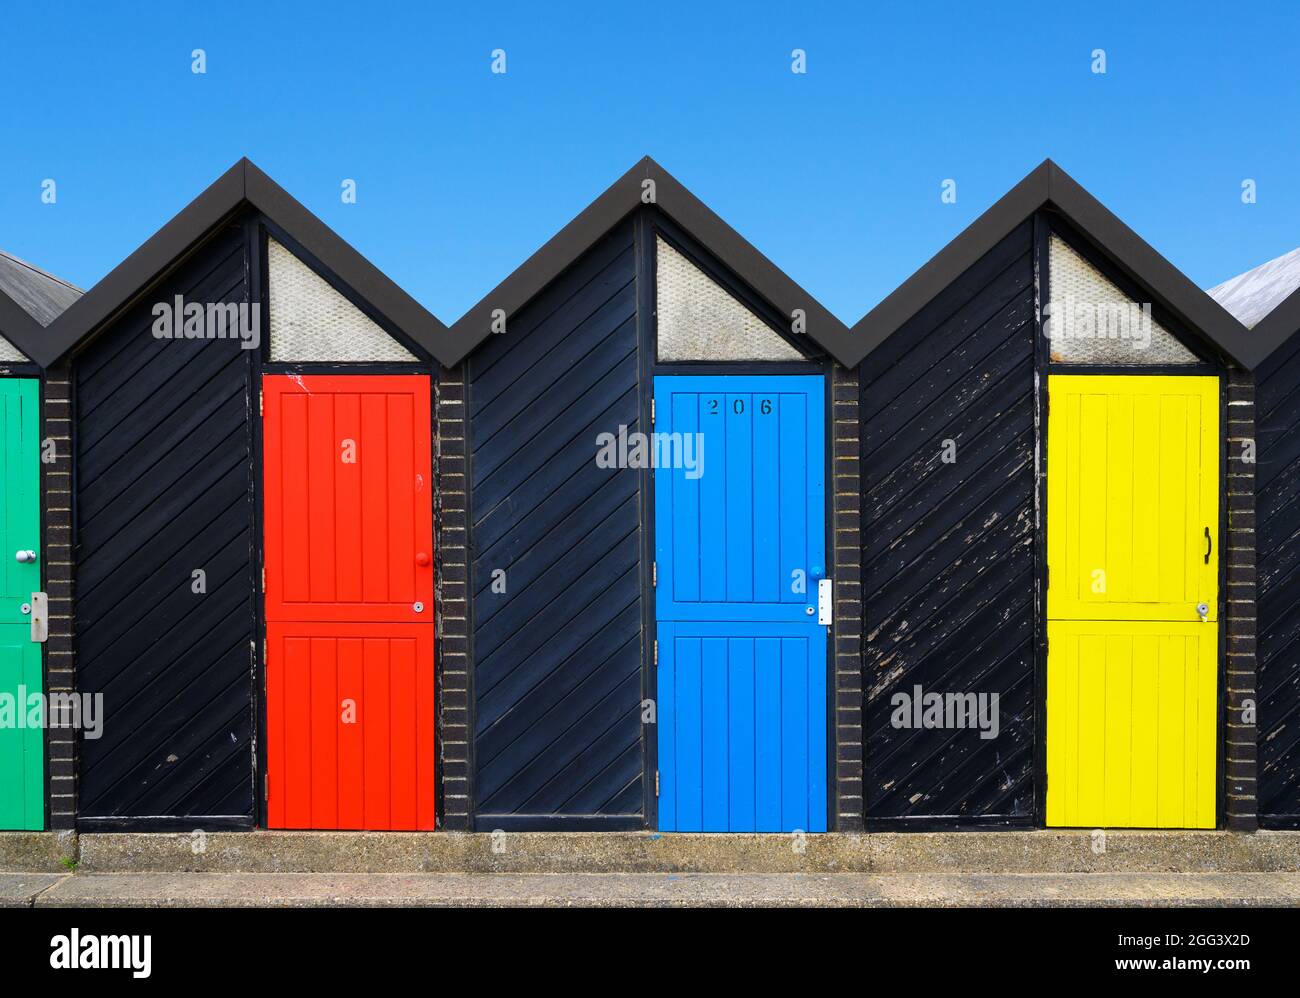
1209,545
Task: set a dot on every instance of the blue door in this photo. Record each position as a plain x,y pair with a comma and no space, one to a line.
739,549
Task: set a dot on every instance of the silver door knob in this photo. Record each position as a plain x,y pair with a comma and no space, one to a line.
25,557
1204,610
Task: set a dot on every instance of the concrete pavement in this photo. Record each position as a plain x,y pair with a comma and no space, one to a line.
162,890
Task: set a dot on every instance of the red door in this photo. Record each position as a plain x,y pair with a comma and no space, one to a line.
349,601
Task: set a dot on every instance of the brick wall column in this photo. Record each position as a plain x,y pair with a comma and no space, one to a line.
1241,696
847,632
452,563
56,442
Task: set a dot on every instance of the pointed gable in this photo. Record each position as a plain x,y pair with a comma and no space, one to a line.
311,321
699,320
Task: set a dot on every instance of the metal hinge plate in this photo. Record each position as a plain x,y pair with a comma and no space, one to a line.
654,573
656,654
656,783
652,412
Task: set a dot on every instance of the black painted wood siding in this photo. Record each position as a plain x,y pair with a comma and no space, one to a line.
1277,506
163,482
948,548
557,656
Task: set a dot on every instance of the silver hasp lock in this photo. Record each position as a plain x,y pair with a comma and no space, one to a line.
825,611
40,617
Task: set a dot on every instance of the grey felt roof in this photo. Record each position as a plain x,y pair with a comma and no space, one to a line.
1253,295
43,296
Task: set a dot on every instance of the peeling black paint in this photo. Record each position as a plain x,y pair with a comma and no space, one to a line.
1277,498
948,555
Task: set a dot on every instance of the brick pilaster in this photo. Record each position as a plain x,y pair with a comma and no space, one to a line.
1241,697
450,511
56,469
847,631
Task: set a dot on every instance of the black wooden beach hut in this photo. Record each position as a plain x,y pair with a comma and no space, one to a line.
167,358
1267,300
1057,532
620,649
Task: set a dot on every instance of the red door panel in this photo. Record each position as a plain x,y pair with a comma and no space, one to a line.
349,512
349,726
349,601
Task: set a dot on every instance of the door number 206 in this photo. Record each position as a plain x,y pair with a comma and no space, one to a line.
738,406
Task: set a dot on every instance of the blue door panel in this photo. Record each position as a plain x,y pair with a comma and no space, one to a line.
740,540
742,727
740,544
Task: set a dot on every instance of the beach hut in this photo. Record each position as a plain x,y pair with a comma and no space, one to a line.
253,596
1267,301
1057,537
637,536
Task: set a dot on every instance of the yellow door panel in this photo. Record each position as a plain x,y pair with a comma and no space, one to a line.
1132,477
1131,721
1132,668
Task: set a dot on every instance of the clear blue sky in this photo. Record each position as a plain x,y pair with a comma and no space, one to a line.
834,174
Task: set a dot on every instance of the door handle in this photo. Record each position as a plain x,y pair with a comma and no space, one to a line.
422,559
1203,611
1209,545
25,557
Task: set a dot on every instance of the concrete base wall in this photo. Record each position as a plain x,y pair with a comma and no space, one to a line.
37,852
641,852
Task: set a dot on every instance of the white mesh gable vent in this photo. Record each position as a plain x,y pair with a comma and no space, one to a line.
11,354
310,321
698,320
1090,321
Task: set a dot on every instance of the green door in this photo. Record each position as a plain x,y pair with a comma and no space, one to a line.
22,756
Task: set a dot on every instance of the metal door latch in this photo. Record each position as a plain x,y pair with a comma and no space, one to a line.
825,613
1204,610
25,557
40,612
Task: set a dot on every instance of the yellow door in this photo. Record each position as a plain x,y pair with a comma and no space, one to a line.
1132,600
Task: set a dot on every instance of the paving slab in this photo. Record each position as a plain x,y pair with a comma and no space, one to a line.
19,890
158,890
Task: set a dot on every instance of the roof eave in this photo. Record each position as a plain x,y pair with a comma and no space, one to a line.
1048,187
624,196
1277,327
240,186
958,256
19,327
339,256
130,278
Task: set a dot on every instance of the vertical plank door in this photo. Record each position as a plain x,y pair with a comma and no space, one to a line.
1132,600
740,549
22,737
349,601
